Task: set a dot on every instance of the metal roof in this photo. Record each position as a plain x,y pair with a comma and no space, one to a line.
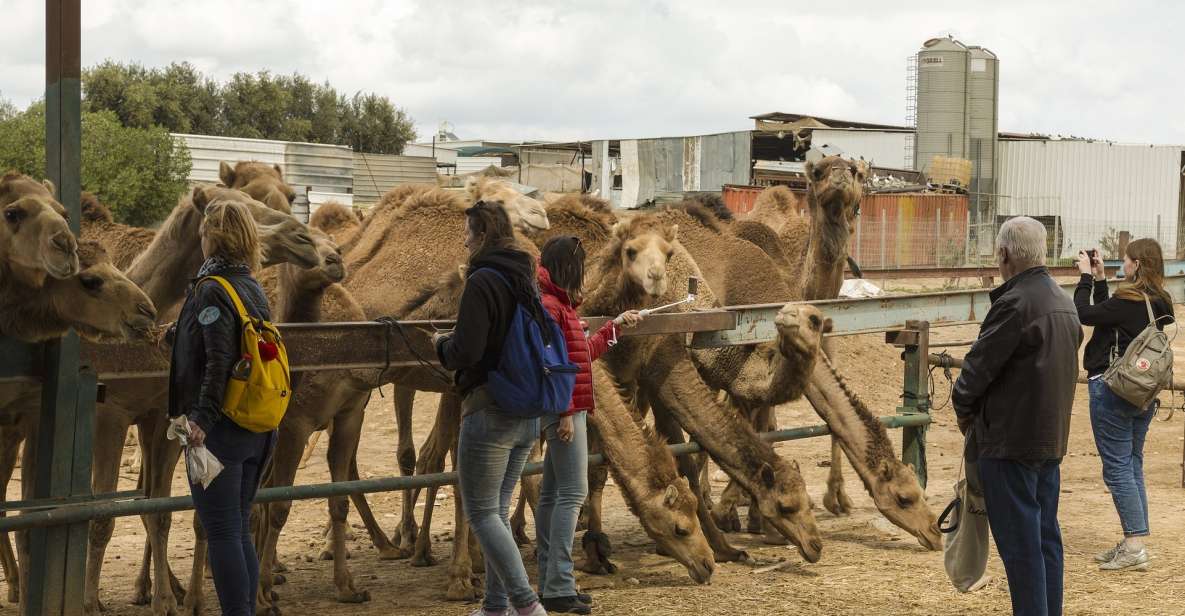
778,116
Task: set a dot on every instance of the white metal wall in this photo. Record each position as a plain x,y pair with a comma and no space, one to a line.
375,174
882,148
1093,187
472,164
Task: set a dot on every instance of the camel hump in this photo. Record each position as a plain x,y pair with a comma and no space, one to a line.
333,216
713,203
94,210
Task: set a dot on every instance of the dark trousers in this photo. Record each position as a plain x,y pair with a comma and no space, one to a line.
1021,499
224,509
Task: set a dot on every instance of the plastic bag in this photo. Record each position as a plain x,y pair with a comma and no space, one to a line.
855,288
202,465
964,525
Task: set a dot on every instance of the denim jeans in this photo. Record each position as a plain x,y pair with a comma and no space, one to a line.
224,510
564,488
1021,499
1119,431
490,458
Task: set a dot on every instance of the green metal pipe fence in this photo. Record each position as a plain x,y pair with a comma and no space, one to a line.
82,512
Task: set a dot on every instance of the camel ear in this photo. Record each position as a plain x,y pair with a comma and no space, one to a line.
226,174
279,171
462,270
53,190
810,170
671,497
673,233
199,199
767,475
620,230
828,325
886,471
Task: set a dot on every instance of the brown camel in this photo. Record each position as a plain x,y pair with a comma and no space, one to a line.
163,271
123,242
35,240
99,302
265,183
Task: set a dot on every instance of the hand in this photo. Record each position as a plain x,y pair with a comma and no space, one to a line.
197,437
1084,264
1100,271
438,336
565,429
629,318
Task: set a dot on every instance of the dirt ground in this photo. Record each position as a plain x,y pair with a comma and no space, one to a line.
868,566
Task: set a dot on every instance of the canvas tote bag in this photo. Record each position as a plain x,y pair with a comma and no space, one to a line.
964,526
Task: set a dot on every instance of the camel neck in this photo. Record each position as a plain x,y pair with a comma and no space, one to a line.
164,269
827,252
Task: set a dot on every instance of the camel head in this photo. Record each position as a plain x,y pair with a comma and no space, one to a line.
669,518
35,239
645,245
835,186
782,500
282,238
265,183
526,214
100,302
332,267
899,496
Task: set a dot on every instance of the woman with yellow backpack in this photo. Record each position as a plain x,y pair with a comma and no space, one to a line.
229,378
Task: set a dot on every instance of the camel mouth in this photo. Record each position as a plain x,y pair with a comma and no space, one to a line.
137,328
66,267
811,550
931,539
701,573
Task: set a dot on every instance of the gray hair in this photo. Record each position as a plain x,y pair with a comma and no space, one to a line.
1024,239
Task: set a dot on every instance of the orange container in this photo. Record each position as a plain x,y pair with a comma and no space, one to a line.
739,199
911,230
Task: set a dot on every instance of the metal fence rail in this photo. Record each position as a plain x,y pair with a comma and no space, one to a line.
85,511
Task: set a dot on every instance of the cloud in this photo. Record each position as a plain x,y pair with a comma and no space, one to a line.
569,70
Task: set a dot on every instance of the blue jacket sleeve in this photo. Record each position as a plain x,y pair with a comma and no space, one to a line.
221,336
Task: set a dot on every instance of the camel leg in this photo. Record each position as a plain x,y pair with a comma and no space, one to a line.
405,453
285,460
724,511
111,430
160,457
461,585
444,434
194,602
595,543
836,498
670,428
28,460
386,549
10,447
343,447
528,495
309,449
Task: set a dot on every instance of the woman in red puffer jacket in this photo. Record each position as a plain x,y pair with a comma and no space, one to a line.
565,465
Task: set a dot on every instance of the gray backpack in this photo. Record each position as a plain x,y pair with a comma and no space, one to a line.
1145,368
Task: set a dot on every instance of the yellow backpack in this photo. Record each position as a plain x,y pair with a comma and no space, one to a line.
260,384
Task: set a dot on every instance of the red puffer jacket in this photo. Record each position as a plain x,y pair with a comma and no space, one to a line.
582,350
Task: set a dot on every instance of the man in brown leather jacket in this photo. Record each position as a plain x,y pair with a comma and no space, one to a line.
1013,399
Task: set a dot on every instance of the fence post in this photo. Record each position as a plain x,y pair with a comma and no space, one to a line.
1158,228
938,237
884,224
915,340
967,241
1057,228
859,234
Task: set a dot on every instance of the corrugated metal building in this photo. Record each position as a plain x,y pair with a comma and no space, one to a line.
472,164
1092,189
881,148
651,167
375,174
307,166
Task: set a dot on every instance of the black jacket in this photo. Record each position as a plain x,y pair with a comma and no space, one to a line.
206,344
1018,380
1126,316
487,307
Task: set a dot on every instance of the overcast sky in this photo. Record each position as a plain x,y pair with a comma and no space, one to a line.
563,70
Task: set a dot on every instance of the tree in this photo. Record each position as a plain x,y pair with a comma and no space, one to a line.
373,124
138,172
7,109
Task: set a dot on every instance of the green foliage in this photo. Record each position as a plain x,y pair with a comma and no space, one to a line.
138,172
7,109
1109,244
259,106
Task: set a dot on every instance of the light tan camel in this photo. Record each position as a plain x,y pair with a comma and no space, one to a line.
265,183
99,302
35,240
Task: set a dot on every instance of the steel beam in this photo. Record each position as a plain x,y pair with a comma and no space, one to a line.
115,507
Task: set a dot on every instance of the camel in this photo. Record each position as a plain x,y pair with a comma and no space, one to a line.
100,303
163,270
265,183
35,239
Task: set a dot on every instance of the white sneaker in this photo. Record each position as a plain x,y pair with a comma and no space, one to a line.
1125,560
534,610
1109,555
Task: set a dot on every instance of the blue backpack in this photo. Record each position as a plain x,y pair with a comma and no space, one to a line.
533,378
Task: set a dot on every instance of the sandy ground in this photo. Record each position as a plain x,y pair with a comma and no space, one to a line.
868,566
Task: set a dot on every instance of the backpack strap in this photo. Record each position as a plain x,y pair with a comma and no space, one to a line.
234,296
1148,305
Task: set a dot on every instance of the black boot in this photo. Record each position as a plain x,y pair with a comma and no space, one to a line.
566,605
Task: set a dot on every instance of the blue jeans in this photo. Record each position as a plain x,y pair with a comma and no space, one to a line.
564,488
224,510
490,458
1021,499
1119,431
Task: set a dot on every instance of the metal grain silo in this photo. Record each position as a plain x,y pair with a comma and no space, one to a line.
942,101
983,80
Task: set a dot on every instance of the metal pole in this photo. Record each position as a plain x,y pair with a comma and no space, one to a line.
1158,228
859,234
915,339
1057,230
62,446
884,224
938,237
967,241
116,508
